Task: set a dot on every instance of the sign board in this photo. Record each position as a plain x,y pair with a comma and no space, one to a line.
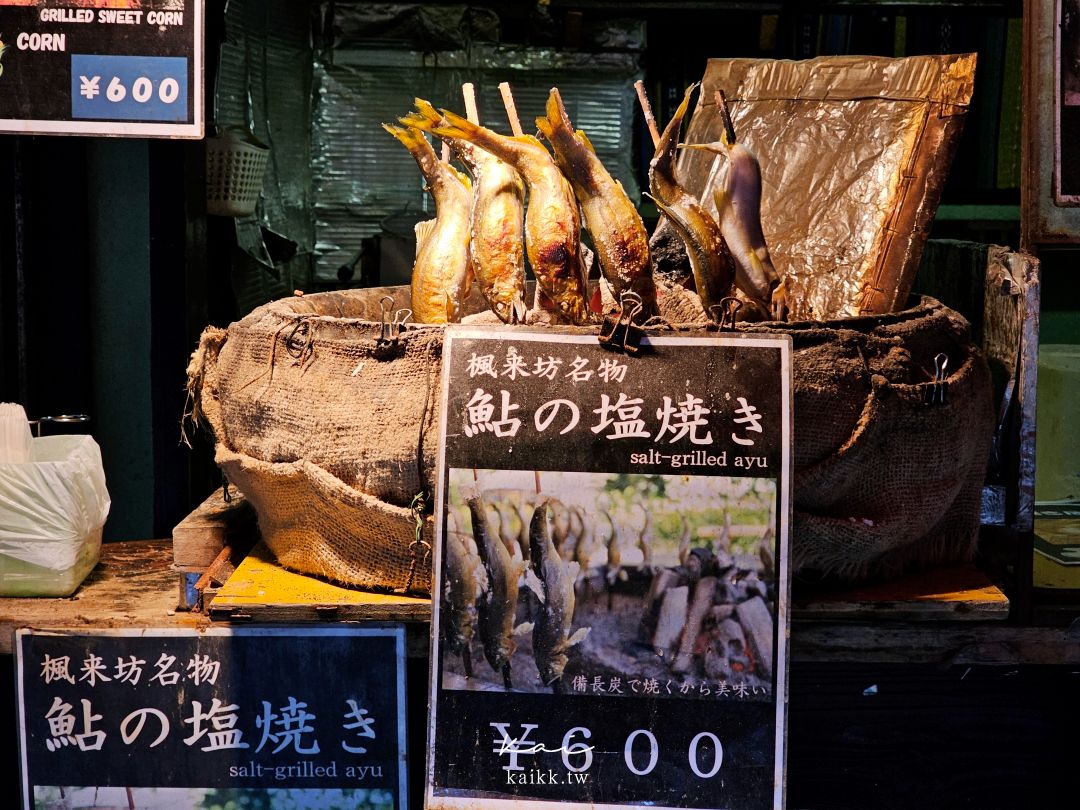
184,718
1067,107
102,67
610,610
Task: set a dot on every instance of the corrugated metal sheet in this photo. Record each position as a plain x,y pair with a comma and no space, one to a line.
361,175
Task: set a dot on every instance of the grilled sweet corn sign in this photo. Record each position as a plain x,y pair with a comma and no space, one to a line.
610,608
102,67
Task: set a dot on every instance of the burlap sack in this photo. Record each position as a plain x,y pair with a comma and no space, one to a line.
885,482
331,437
329,434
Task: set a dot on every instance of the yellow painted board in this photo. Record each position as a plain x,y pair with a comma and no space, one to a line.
261,589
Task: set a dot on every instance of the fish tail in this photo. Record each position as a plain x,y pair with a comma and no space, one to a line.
453,125
414,140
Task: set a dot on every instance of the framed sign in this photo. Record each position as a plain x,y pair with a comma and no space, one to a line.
102,67
610,610
1050,124
1067,106
193,719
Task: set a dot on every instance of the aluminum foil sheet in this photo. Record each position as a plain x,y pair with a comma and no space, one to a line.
365,183
854,152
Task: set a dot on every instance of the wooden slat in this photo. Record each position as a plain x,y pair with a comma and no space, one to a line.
199,538
133,585
262,590
950,593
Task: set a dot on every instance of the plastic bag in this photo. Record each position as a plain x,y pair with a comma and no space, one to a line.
52,511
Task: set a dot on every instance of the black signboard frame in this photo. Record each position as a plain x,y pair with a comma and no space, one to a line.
103,68
510,421
177,717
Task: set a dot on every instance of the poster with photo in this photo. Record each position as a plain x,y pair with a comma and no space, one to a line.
102,67
610,607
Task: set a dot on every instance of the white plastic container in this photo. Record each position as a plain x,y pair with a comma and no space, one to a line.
52,511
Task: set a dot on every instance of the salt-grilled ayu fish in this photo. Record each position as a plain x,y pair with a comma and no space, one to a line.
551,636
497,608
738,207
441,273
497,218
464,582
552,222
619,235
710,259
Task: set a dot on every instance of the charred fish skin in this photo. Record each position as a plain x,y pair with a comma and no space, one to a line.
497,608
551,631
497,220
738,208
711,261
441,273
552,222
619,235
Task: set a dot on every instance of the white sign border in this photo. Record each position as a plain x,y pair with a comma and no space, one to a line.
782,342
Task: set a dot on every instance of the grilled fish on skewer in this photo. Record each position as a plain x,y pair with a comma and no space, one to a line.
462,588
496,608
551,632
738,207
497,220
710,259
622,243
552,222
440,278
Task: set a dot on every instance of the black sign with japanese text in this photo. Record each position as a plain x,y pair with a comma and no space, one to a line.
610,610
199,718
102,67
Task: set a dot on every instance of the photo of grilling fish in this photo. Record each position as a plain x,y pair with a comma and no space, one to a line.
524,202
628,580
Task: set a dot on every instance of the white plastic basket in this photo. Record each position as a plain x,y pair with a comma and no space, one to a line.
234,175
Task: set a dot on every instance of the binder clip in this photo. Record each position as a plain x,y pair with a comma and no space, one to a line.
724,313
935,391
391,325
619,330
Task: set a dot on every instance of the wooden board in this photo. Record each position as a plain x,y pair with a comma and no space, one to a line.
133,585
951,593
262,590
199,538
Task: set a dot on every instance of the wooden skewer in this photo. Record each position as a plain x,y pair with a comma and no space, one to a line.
646,108
469,92
445,152
536,478
511,110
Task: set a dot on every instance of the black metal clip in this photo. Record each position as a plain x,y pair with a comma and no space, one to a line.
728,308
619,330
936,390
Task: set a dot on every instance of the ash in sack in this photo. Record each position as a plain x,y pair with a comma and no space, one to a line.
619,584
